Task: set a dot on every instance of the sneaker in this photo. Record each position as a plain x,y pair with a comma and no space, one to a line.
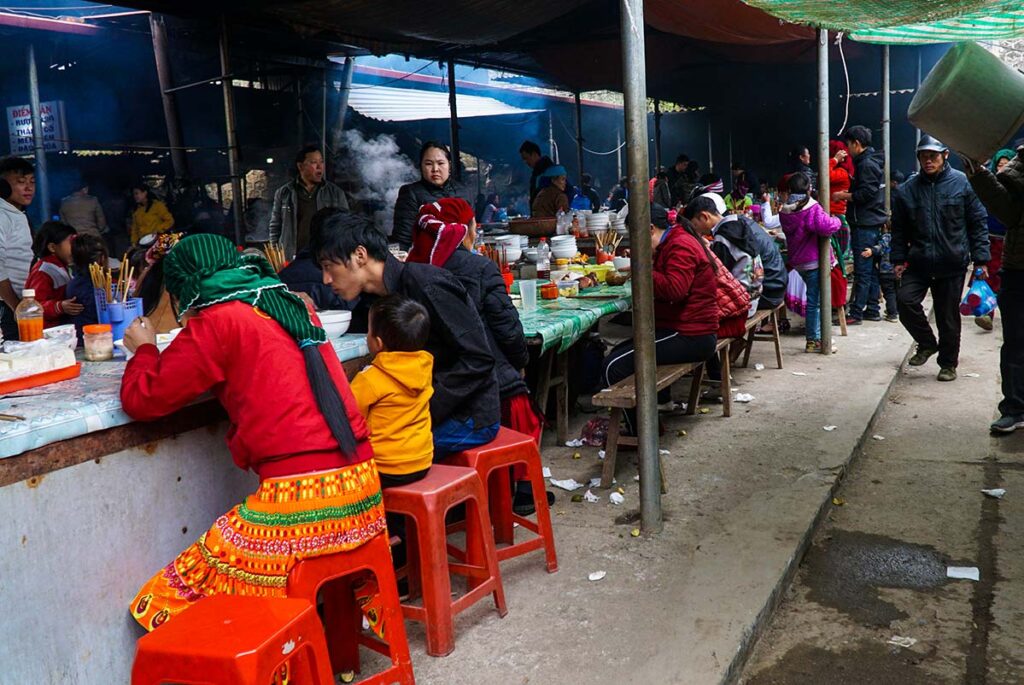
851,321
872,317
1008,423
946,374
892,318
522,501
813,346
922,356
984,322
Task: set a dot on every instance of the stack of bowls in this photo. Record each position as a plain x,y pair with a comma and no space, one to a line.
509,247
598,222
620,225
563,247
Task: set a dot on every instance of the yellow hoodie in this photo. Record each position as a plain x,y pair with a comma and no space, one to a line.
393,393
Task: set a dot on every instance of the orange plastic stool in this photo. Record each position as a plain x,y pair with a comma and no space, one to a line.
232,640
491,462
426,502
336,575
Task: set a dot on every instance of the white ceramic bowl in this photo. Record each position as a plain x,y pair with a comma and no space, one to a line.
563,254
531,254
512,254
335,322
621,263
556,239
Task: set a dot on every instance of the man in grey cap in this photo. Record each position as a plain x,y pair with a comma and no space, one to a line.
939,226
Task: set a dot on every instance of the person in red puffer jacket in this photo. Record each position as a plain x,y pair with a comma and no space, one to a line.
685,304
49,275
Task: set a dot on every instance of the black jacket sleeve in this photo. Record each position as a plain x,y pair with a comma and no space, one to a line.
1001,202
406,211
977,227
459,326
501,317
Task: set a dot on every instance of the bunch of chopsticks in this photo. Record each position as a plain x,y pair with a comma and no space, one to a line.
102,279
607,240
496,255
275,255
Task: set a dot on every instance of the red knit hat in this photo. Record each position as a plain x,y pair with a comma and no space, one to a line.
439,230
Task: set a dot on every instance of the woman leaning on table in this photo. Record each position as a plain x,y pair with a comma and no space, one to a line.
247,339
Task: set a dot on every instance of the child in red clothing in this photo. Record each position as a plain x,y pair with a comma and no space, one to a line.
49,274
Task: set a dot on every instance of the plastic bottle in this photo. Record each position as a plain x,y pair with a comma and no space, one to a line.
543,259
30,317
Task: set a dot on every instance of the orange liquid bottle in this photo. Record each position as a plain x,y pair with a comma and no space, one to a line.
30,317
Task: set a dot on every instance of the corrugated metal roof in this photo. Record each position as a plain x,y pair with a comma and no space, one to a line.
409,104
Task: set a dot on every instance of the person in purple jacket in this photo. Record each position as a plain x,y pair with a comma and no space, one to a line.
803,221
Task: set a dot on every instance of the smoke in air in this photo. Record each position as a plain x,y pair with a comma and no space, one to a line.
376,169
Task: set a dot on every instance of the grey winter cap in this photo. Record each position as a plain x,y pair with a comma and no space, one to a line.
931,144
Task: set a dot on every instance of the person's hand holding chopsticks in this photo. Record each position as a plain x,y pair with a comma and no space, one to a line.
139,333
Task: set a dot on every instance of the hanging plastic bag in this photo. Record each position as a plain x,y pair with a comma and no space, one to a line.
979,300
796,294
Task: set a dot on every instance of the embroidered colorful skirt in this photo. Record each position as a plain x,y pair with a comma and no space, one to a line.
251,549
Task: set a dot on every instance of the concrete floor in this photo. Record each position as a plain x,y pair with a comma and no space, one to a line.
912,506
744,495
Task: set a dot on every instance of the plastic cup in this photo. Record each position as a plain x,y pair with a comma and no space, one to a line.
528,291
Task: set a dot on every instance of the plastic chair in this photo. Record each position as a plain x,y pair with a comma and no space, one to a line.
232,640
336,575
426,502
491,462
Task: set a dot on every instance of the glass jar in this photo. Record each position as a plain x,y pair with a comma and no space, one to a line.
99,342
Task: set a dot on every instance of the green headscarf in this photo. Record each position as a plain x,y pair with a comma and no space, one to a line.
206,269
1002,154
203,270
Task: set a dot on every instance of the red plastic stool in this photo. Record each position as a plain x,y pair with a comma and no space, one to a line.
232,640
426,502
491,462
336,575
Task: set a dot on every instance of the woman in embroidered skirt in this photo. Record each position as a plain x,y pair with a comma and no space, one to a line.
294,422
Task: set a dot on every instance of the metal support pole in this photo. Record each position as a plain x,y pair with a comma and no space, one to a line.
824,194
579,137
711,154
229,122
916,140
346,88
456,166
635,106
657,136
179,161
886,128
552,148
618,155
42,180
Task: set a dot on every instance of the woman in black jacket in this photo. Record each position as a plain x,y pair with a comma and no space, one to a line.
436,183
444,233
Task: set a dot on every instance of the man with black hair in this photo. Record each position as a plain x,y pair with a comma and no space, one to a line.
82,211
587,189
939,226
465,408
744,248
865,212
18,177
529,151
297,201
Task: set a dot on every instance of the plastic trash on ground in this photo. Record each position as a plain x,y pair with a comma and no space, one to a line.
569,484
759,367
900,641
588,496
829,428
616,498
574,443
963,573
744,397
597,575
994,492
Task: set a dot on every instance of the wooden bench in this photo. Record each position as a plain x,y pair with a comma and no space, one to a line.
724,351
622,396
772,316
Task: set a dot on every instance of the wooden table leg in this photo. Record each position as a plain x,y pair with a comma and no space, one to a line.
562,397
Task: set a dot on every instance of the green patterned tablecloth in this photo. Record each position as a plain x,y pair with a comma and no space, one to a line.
563,321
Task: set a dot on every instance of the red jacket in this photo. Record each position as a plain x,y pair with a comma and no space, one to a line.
257,372
839,181
49,278
733,302
685,289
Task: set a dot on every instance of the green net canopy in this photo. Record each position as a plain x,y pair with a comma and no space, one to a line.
905,21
